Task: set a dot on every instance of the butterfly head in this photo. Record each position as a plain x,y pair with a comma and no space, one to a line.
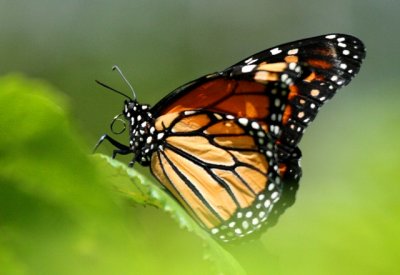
141,130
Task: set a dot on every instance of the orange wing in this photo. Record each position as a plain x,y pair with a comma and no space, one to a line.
234,95
219,169
282,88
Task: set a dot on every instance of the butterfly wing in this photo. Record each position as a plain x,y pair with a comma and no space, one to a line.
246,101
282,87
280,90
327,63
304,74
220,168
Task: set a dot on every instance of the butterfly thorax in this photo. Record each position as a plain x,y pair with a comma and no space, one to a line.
142,132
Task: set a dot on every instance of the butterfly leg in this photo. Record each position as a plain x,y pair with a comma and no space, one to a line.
122,149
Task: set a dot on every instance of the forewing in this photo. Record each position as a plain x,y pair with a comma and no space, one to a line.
282,87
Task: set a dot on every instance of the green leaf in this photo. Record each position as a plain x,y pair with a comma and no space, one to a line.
63,212
143,191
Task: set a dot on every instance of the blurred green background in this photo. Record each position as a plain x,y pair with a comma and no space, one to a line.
346,217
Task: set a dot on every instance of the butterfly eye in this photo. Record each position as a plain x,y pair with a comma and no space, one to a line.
113,126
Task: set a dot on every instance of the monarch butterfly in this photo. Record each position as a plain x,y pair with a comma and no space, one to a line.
225,145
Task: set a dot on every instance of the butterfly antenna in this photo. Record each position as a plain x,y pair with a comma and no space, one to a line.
115,67
112,89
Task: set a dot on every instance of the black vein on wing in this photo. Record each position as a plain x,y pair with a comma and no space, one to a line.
208,167
192,187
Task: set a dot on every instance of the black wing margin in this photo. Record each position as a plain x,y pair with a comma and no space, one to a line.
323,65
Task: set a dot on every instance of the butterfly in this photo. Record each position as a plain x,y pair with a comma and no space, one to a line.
225,145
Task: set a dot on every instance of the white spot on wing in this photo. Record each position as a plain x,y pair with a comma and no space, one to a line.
274,195
275,51
189,112
243,121
160,136
271,186
255,125
250,61
292,66
248,68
